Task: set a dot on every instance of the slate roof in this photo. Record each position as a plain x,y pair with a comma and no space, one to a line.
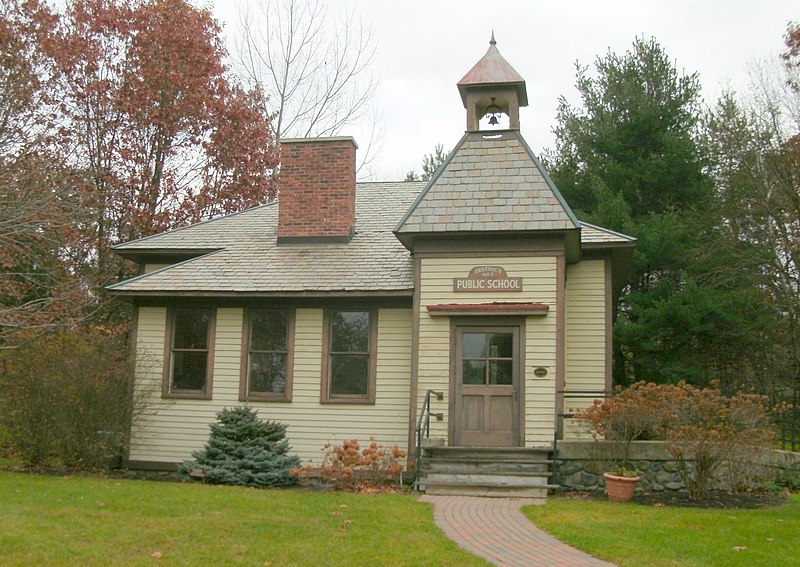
593,235
247,260
490,182
239,254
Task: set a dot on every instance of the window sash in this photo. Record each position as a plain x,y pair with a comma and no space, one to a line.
349,375
250,354
337,389
180,380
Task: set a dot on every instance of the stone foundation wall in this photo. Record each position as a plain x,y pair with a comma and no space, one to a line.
580,465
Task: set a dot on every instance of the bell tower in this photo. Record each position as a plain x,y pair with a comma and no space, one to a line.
491,89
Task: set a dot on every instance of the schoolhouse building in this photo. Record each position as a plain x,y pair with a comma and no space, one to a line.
455,314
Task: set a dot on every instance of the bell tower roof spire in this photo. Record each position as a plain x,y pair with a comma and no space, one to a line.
492,88
493,70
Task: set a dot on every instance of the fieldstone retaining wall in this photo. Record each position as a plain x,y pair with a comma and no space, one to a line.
580,465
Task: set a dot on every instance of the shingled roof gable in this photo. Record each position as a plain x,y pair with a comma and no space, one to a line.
242,256
247,260
593,235
491,182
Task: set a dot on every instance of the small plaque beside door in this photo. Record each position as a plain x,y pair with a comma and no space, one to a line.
540,372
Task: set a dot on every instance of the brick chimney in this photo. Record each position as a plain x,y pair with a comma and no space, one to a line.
317,196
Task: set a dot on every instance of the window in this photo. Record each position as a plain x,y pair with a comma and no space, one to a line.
350,356
267,355
487,358
189,353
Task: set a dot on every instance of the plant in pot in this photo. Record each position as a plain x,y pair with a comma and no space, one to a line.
617,423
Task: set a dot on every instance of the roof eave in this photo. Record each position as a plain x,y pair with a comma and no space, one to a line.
174,255
522,92
132,294
572,243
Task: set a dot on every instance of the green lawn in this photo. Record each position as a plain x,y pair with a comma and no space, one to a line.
630,534
90,521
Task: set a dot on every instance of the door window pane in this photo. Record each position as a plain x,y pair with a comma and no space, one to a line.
500,372
474,345
474,372
501,345
487,358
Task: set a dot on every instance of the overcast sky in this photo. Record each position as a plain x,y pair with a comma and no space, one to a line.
425,47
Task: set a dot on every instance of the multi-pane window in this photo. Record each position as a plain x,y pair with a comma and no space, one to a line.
189,370
350,372
488,358
268,356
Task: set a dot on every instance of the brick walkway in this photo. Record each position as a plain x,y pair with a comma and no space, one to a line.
496,529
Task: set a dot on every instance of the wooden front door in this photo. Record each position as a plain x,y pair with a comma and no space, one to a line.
486,386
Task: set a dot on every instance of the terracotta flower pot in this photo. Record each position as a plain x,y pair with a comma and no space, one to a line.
620,488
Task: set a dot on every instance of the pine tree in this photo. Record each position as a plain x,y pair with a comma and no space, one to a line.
629,158
243,450
430,163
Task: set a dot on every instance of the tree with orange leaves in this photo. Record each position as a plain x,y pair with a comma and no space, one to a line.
40,210
118,119
163,134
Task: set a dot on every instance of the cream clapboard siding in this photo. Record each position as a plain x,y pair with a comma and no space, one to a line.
586,335
153,267
539,285
172,429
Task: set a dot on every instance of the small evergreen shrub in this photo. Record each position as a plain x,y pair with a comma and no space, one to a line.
243,450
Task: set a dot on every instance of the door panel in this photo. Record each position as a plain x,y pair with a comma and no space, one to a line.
501,414
472,416
486,375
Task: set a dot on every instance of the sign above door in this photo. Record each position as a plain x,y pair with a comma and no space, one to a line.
487,278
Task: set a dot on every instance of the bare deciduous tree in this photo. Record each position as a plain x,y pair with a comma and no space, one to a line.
753,143
316,76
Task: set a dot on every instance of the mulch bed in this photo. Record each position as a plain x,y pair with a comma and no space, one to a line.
715,500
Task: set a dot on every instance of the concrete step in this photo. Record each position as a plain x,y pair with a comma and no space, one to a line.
488,453
486,479
502,472
491,491
533,459
485,466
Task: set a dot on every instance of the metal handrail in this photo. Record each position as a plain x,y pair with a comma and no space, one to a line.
424,428
571,394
